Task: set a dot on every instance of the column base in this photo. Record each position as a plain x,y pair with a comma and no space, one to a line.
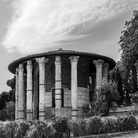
29,115
41,115
21,115
74,114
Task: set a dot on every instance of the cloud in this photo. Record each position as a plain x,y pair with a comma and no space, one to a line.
5,0
38,25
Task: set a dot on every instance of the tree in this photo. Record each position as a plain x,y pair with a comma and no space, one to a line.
4,98
129,42
11,84
108,94
129,53
116,76
10,107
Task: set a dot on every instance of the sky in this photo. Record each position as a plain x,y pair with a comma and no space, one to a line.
35,26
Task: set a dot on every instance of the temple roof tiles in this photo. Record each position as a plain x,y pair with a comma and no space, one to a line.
12,66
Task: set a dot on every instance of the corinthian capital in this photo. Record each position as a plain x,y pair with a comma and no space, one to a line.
57,60
29,64
105,66
41,60
21,69
74,59
17,71
98,63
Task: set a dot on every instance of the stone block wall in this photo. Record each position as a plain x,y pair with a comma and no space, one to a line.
65,112
83,97
48,102
49,113
50,74
67,98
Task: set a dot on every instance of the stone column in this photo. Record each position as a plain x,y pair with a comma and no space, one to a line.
99,68
136,65
36,92
21,108
105,72
29,110
74,87
41,62
17,95
58,99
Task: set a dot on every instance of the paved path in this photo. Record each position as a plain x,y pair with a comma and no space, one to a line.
129,134
134,135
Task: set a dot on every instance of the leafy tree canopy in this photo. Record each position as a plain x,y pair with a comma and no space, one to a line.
11,83
6,97
129,43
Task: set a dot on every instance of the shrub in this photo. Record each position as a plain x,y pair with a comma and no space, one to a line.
2,130
127,123
94,125
10,107
78,127
86,111
108,93
62,127
3,115
10,128
100,125
39,129
109,125
60,124
21,129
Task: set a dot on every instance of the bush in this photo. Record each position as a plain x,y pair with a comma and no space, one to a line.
2,130
60,124
39,129
100,125
127,123
107,94
78,127
94,125
62,127
10,128
10,107
109,125
3,115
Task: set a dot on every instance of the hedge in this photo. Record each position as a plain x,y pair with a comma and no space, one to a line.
64,128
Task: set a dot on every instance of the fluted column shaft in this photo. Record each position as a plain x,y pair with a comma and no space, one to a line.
36,93
21,93
99,68
74,87
41,62
105,72
17,95
29,110
58,99
57,82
